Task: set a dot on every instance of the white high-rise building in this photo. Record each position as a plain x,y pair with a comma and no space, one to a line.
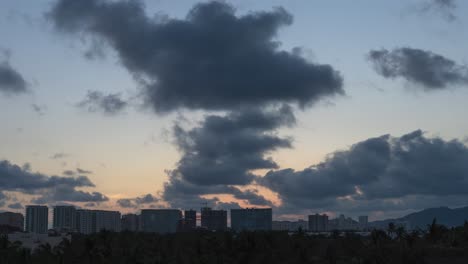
64,218
130,222
85,221
251,219
37,219
92,221
318,223
15,220
160,220
107,220
363,222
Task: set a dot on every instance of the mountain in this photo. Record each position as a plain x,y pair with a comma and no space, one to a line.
444,215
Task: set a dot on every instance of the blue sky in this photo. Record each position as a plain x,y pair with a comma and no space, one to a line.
129,152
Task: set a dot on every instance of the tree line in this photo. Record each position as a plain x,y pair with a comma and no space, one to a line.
435,244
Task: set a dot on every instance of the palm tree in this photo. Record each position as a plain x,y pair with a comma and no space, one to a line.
391,229
400,233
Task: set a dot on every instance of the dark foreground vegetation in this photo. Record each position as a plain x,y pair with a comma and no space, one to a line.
437,245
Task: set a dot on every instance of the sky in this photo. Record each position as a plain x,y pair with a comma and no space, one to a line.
354,107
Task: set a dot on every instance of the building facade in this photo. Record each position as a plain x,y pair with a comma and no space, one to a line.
130,222
85,221
318,223
363,222
290,225
15,220
160,220
213,219
251,219
37,219
92,221
64,218
107,220
190,219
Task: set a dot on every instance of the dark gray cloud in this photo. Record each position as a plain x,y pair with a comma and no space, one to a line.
78,171
59,155
82,171
138,201
421,67
182,194
445,8
96,101
376,171
251,196
50,188
11,81
225,149
39,109
16,206
233,63
69,173
69,194
231,60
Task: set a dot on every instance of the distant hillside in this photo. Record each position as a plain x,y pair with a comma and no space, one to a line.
444,215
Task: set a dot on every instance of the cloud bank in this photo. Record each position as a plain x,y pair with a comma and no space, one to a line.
96,101
231,61
46,189
385,171
423,68
232,64
11,81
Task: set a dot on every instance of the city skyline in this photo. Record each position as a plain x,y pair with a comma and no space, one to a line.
304,107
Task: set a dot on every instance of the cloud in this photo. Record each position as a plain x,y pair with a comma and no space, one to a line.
445,8
377,171
11,81
423,68
138,201
231,62
50,188
96,101
69,194
68,173
16,206
82,171
40,110
251,196
224,149
59,155
78,171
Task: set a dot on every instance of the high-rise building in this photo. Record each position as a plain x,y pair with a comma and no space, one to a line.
251,219
290,225
37,219
92,221
131,222
14,220
64,218
85,221
299,225
190,219
318,223
160,220
363,222
343,223
213,219
107,220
